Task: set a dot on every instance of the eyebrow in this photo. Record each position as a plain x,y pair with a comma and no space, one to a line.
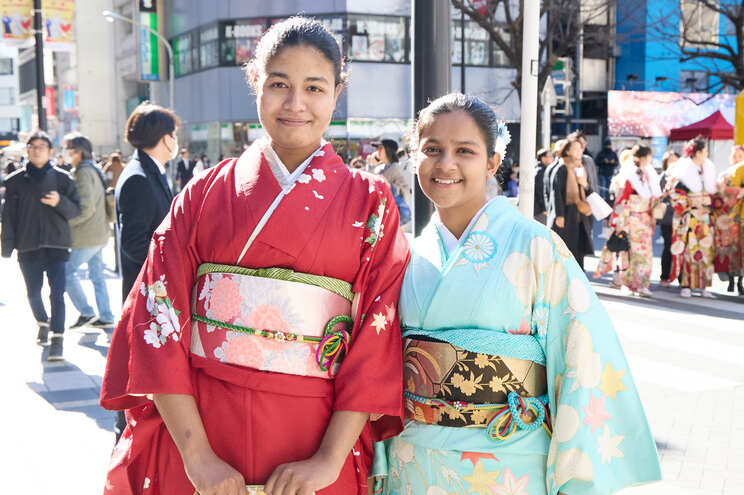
436,141
307,79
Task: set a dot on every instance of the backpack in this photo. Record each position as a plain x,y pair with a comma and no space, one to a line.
109,198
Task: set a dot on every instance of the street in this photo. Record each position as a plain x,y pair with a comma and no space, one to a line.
685,357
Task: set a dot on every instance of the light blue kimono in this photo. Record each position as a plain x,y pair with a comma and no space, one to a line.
511,288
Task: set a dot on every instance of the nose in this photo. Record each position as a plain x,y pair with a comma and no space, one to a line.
294,101
446,161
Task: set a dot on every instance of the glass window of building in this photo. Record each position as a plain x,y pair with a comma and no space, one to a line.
698,22
6,66
377,38
9,125
476,44
7,96
336,25
209,49
693,81
498,57
239,40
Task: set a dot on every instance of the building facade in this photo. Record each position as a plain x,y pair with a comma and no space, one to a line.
10,113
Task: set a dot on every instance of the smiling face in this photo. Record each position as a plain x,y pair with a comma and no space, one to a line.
453,165
296,98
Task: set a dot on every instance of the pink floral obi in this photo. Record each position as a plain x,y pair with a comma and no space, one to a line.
271,319
639,204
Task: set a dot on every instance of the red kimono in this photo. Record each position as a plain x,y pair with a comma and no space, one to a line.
332,222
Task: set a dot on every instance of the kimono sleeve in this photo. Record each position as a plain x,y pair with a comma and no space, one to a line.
601,439
370,378
149,350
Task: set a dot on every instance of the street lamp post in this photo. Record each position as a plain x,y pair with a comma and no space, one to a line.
112,16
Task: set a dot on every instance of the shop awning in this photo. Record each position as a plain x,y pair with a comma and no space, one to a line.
714,126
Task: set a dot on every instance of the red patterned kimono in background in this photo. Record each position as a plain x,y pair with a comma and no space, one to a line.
331,222
728,218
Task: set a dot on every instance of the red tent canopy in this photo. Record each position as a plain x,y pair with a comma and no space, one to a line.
714,126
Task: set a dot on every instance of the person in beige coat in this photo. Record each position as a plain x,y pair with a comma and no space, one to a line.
90,233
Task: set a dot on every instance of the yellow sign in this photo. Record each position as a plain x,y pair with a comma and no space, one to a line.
18,24
739,120
59,17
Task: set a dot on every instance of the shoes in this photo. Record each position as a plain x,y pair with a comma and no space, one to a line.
740,286
55,349
730,287
685,293
82,321
43,336
99,323
707,295
645,292
665,283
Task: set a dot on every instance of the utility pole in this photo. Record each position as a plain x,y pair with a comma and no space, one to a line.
528,129
431,69
462,52
39,54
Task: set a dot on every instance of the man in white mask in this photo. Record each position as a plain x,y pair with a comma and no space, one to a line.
143,196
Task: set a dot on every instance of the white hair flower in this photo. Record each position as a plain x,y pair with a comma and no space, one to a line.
502,139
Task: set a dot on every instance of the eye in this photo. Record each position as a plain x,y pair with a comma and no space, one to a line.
466,150
315,89
277,84
431,149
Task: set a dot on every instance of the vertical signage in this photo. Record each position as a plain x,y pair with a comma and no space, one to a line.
59,17
149,59
18,22
739,120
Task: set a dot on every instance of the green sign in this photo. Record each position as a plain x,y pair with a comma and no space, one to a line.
149,53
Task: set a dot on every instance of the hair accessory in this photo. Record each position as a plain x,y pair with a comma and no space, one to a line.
502,138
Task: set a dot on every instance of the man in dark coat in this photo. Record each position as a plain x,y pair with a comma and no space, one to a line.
40,199
184,170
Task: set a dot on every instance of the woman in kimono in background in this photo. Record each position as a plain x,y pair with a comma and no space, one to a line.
262,333
728,218
515,381
633,213
693,183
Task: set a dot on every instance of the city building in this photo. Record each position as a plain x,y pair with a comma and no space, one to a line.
10,114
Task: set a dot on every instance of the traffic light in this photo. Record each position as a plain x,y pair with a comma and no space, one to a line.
563,79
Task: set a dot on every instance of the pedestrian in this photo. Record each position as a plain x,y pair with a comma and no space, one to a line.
590,169
184,170
692,235
62,163
728,218
567,208
633,218
113,168
90,234
607,165
40,200
666,222
495,392
544,159
512,187
241,311
387,166
143,197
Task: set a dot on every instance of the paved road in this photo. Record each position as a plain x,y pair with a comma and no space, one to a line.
685,357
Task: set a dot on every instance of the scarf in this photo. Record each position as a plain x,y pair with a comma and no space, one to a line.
574,193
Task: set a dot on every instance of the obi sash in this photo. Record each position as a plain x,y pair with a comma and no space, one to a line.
639,204
271,319
447,385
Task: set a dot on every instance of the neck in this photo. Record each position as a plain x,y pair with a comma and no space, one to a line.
38,165
161,156
457,218
293,157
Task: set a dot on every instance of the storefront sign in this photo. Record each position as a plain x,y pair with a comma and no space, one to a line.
149,59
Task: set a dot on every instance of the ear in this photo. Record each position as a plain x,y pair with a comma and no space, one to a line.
493,164
337,92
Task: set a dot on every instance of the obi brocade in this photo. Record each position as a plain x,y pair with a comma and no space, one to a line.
447,385
271,319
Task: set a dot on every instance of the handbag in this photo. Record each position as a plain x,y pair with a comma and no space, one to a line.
659,210
584,207
618,242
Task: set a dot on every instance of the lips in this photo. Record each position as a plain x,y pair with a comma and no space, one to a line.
293,122
446,182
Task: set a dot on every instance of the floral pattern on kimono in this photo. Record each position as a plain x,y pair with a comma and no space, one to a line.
692,239
601,440
633,214
728,219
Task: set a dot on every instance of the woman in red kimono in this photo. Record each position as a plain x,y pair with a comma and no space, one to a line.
261,342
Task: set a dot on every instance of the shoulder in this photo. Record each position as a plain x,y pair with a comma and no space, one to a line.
15,176
204,180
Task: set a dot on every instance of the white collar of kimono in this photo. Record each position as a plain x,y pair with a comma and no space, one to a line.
282,174
695,177
286,181
645,188
449,240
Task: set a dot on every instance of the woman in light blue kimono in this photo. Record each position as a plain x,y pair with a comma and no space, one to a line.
515,382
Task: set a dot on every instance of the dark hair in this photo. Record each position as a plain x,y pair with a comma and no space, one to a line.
391,149
401,153
665,159
640,150
479,111
40,135
148,124
571,139
78,142
296,31
357,160
693,146
542,152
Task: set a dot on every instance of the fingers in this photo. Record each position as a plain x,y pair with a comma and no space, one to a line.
284,481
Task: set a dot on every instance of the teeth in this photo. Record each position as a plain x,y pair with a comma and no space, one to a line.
447,181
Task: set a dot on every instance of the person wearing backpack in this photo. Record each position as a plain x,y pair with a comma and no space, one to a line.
90,234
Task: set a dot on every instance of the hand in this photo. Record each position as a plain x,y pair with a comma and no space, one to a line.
210,475
304,477
51,199
560,222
